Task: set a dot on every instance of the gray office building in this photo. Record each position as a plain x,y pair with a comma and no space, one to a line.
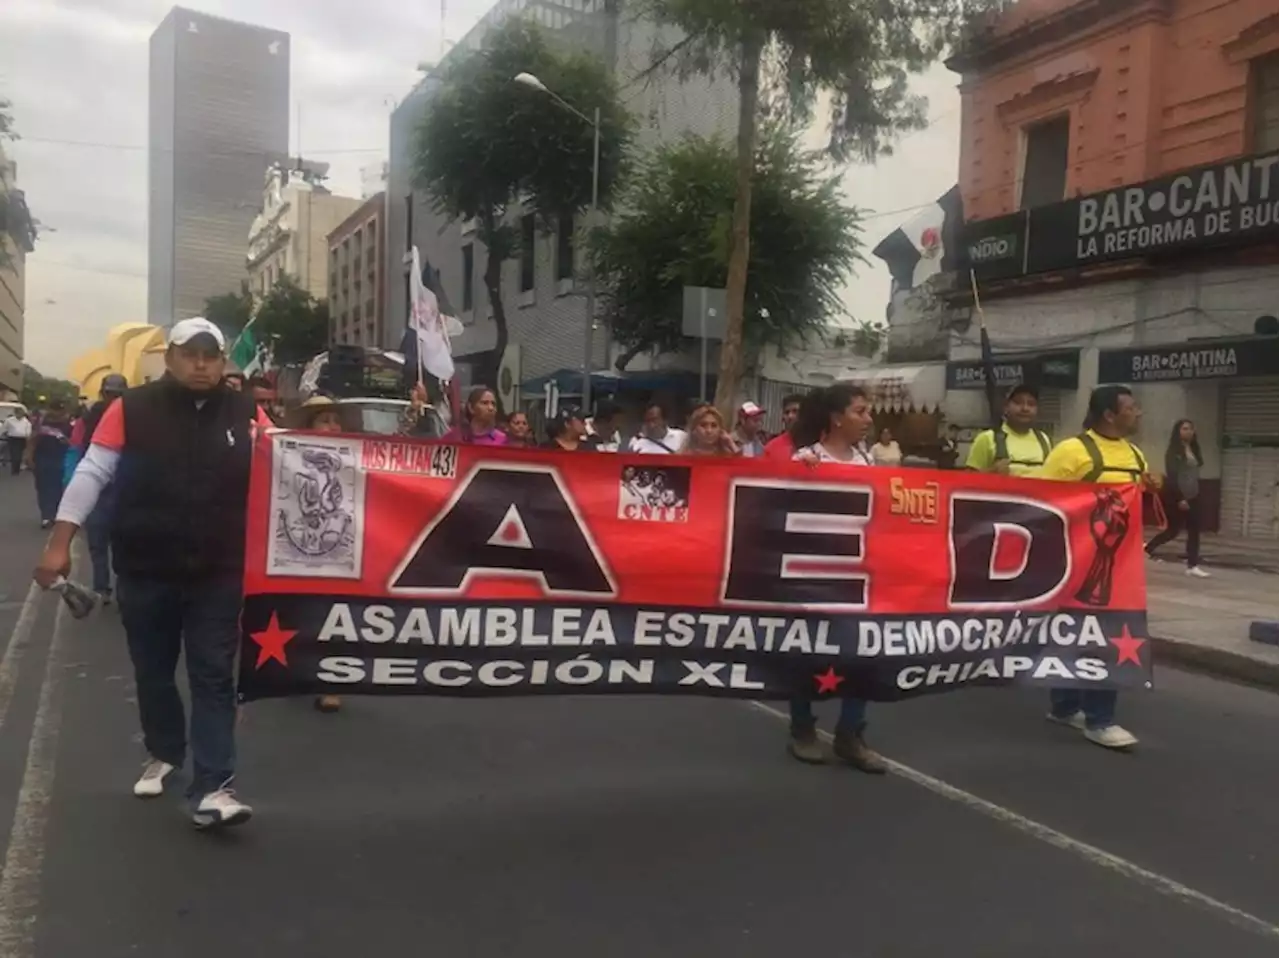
542,291
219,116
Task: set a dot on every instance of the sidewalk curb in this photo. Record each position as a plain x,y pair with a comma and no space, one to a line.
1220,663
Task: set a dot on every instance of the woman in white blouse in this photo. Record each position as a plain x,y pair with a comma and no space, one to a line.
832,427
886,452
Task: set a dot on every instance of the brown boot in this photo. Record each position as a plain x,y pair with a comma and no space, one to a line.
805,747
850,748
328,703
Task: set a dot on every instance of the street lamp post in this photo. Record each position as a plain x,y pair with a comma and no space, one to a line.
533,83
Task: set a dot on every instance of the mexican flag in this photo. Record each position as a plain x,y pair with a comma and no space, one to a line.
246,352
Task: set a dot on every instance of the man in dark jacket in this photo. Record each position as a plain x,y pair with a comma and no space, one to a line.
98,526
177,451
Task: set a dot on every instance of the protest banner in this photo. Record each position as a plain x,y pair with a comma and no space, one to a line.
381,565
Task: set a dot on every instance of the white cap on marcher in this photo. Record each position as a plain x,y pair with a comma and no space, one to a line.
749,410
185,330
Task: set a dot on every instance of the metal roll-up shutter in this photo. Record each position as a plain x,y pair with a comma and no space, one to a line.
1049,417
772,393
1249,460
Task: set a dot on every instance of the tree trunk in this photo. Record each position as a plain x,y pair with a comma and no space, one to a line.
740,237
493,286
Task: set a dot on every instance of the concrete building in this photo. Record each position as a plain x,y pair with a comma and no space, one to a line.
544,299
357,268
1118,173
219,115
17,239
290,234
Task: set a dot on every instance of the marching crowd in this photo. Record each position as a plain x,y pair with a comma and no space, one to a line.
162,472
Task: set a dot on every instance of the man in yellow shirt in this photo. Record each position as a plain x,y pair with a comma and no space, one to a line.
1018,449
1102,453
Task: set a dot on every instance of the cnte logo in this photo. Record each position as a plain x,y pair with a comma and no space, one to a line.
991,247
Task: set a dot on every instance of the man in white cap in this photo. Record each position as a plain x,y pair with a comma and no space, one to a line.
750,430
177,453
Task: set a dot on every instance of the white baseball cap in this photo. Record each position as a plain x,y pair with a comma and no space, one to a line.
184,331
750,410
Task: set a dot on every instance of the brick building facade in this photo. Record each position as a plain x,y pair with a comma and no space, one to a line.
1118,174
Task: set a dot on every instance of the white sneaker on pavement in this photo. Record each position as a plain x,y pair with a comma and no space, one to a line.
220,809
151,783
1111,736
1196,572
1075,720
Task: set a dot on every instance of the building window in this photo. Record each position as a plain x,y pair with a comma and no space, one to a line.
468,277
1044,166
564,248
1263,110
528,235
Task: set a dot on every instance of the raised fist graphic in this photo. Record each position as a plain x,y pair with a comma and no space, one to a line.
1108,524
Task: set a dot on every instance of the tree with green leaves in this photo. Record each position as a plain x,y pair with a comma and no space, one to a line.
230,312
17,225
487,145
38,390
673,231
293,322
861,53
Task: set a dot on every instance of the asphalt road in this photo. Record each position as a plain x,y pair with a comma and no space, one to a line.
620,828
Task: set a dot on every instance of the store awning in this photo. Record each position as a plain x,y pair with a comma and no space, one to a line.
904,388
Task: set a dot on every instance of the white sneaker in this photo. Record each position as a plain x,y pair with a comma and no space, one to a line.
1075,720
1197,572
151,783
1112,736
219,809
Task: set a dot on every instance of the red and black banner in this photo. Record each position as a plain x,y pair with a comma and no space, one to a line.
386,566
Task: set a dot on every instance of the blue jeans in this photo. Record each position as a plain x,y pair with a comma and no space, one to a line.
1098,705
98,530
160,619
48,476
853,715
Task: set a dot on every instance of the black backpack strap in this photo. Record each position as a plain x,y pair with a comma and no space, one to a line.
1002,448
1095,456
1137,454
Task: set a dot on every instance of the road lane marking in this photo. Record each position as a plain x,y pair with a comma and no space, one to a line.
1051,836
19,639
24,858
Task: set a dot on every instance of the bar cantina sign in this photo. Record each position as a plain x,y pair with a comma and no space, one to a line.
1211,205
1216,359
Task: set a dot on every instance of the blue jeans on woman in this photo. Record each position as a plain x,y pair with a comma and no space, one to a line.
1098,705
48,475
853,715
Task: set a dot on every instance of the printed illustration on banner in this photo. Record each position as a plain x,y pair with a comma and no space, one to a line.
654,493
317,509
1108,524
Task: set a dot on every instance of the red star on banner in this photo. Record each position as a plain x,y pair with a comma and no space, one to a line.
1127,648
271,642
828,681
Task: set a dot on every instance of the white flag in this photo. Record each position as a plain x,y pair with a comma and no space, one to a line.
434,355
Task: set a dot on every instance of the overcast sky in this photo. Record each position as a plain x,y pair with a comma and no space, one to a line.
76,71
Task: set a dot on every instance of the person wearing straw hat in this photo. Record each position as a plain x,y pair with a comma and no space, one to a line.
317,414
